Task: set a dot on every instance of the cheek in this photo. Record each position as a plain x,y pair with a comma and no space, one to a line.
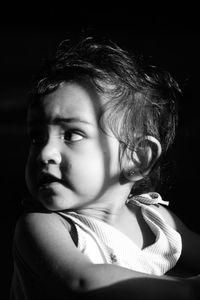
30,172
95,166
111,158
88,169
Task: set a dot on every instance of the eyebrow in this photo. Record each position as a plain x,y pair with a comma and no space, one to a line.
58,120
72,120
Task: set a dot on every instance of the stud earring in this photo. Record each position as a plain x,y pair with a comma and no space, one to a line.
131,172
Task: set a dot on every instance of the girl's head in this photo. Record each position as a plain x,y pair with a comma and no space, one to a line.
137,101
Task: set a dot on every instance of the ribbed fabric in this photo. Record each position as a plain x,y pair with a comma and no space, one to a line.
103,243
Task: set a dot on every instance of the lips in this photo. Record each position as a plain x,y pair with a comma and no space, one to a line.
46,179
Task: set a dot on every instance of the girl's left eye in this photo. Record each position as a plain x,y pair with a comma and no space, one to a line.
72,136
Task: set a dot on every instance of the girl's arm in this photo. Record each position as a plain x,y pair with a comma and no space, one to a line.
47,248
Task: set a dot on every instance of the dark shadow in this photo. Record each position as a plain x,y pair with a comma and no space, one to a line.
22,51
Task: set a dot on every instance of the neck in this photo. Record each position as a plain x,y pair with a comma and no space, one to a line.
109,214
109,208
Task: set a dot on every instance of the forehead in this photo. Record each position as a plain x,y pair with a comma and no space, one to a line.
70,100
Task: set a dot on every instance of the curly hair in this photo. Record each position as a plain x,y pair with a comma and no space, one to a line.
142,97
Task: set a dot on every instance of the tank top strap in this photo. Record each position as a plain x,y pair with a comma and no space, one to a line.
151,198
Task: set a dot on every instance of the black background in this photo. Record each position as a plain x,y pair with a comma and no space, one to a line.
29,34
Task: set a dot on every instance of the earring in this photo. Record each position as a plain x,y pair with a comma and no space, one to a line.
131,172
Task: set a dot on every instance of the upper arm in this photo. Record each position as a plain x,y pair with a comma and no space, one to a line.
46,247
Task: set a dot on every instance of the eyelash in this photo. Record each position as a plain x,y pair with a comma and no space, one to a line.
39,138
68,136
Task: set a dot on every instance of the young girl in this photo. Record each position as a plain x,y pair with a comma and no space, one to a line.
99,123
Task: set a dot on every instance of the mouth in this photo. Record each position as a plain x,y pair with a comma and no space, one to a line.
47,180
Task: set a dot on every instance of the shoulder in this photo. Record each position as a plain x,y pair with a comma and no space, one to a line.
190,259
43,241
188,236
171,218
40,222
38,232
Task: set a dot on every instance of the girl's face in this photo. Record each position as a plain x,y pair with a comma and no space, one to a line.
72,163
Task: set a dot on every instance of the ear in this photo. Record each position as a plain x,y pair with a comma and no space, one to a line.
140,162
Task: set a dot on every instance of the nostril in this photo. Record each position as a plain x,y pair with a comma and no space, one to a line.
51,158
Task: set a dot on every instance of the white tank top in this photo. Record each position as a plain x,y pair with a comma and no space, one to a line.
103,243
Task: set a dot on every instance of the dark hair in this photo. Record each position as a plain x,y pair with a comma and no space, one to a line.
142,97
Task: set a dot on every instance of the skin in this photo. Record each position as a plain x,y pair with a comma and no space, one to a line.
82,158
69,145
74,165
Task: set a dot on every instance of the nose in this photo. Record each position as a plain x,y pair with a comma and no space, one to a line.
50,153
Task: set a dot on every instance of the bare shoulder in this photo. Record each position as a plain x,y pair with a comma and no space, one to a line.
37,234
39,216
37,224
44,243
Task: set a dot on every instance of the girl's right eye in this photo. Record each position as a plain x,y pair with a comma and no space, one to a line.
37,138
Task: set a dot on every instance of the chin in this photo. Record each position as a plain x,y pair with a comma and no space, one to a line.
53,202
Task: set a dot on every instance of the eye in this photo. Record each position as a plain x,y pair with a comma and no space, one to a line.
72,136
37,138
